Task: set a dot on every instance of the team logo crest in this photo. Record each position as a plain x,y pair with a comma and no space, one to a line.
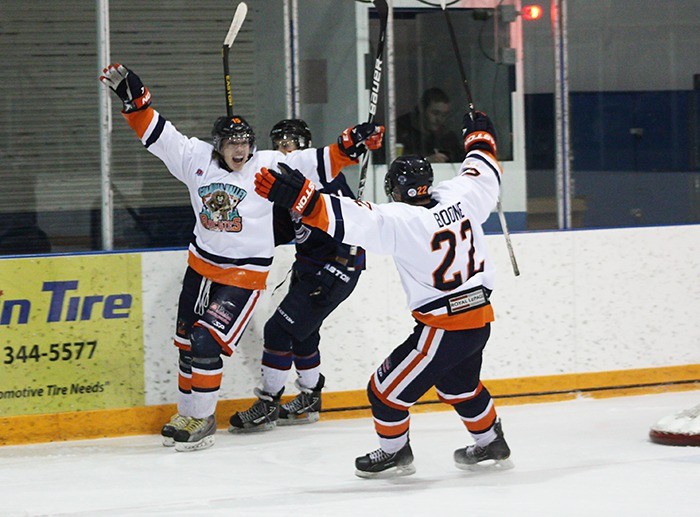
219,211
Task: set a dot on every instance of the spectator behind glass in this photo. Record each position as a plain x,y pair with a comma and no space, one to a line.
422,131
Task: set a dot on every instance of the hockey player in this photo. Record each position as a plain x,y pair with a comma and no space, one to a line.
438,245
322,278
231,251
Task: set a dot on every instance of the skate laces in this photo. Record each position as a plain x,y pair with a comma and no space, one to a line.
301,401
195,424
378,455
178,420
259,408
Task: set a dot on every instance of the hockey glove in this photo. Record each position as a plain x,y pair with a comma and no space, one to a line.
288,188
355,141
478,133
128,87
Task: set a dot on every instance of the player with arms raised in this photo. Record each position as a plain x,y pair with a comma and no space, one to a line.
438,245
231,252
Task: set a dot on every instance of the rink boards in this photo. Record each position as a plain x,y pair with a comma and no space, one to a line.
87,339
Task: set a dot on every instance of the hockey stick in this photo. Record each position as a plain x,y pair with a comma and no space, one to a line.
236,24
470,104
383,11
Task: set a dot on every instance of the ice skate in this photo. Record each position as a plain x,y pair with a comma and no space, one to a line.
492,456
380,464
261,416
305,407
196,435
177,422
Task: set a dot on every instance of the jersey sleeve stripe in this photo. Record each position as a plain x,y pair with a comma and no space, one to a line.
478,156
321,167
157,131
339,233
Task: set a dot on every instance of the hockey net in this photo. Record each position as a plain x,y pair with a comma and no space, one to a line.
682,428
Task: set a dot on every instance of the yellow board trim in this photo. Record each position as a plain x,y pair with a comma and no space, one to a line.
352,404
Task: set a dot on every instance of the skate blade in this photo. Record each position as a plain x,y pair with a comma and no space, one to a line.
487,466
306,418
393,472
204,443
168,441
256,429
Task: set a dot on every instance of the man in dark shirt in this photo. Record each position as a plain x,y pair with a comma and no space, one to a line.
422,131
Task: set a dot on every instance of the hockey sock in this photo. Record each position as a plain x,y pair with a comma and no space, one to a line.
308,369
275,370
206,382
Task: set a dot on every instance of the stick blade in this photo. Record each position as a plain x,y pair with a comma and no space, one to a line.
236,23
382,8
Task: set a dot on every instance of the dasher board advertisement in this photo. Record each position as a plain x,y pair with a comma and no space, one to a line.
71,334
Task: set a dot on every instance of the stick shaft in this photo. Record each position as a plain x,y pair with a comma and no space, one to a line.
383,10
236,24
470,104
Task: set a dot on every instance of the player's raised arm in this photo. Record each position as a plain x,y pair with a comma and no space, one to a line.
131,91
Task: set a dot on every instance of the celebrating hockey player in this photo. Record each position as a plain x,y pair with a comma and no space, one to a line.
438,245
324,274
231,252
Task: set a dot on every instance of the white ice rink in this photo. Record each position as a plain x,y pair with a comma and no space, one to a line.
584,457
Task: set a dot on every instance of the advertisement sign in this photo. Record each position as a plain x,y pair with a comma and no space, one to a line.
71,335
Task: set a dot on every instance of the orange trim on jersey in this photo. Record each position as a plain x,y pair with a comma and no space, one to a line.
140,120
391,431
454,401
483,423
339,159
318,217
206,381
235,276
474,319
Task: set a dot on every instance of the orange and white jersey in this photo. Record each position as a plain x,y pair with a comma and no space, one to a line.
439,249
233,234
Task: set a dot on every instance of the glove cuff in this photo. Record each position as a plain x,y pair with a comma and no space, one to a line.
306,200
480,140
138,103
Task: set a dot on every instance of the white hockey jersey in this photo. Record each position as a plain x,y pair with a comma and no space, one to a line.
233,234
439,251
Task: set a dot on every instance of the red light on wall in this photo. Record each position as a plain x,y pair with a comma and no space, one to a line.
532,12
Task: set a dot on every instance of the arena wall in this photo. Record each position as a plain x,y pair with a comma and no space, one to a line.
594,312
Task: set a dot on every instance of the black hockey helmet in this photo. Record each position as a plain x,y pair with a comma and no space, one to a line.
409,179
291,129
231,127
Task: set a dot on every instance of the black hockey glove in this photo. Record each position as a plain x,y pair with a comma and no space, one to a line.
128,87
288,188
355,141
478,133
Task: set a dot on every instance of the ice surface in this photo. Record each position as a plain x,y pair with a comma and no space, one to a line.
585,457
